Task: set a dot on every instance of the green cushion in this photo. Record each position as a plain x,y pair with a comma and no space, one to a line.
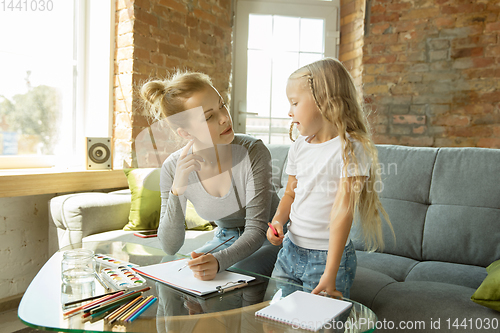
146,202
488,293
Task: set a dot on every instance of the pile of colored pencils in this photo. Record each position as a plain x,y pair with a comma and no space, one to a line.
119,306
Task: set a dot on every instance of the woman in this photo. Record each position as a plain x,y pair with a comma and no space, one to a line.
226,176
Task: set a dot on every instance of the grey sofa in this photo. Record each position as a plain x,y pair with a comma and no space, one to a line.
444,204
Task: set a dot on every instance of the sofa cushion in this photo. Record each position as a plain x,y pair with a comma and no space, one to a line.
419,302
407,219
436,271
462,234
406,172
367,284
144,184
146,202
395,267
466,177
488,293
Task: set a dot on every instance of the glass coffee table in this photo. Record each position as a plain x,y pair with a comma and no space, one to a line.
175,311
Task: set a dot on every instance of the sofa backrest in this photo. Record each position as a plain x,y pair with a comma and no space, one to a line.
443,203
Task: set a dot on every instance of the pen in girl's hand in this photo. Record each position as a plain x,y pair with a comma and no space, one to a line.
275,232
224,242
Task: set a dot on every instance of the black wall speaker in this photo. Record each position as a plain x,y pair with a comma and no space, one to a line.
98,153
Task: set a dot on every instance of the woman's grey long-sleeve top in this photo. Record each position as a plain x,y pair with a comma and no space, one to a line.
250,202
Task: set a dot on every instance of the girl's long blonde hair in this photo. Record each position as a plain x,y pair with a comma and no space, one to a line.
339,102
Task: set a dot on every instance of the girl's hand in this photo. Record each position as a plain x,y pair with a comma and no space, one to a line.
204,266
273,239
327,284
185,165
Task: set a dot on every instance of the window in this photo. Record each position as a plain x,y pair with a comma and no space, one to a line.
54,73
273,40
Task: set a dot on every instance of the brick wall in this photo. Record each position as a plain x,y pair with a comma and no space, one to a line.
431,71
155,37
352,15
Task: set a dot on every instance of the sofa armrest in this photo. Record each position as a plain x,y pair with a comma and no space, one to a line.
82,214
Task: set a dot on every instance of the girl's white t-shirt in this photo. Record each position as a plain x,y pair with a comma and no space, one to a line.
318,170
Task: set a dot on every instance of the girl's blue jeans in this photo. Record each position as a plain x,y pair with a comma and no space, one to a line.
305,267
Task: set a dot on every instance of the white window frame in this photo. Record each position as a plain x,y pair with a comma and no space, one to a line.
93,102
327,10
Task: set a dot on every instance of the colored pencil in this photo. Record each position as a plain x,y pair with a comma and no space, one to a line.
103,300
87,309
144,308
118,301
115,314
97,301
89,298
146,301
111,302
133,310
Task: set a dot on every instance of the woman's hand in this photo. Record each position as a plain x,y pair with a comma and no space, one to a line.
327,284
204,266
273,239
185,165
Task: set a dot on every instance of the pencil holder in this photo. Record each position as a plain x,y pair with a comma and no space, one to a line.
78,266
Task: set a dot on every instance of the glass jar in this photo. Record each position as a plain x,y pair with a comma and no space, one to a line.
78,266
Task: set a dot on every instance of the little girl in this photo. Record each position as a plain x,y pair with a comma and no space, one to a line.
332,169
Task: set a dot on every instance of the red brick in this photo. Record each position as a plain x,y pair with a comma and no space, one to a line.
444,22
382,39
377,9
378,48
451,120
482,62
408,119
421,13
457,9
468,52
470,131
375,89
379,28
399,7
205,16
489,142
490,27
384,59
145,17
396,68
392,17
419,129
385,139
175,5
176,39
141,54
348,8
417,141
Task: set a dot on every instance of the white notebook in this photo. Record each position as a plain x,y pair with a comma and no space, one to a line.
304,310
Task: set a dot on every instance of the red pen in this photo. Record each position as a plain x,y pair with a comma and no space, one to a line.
275,232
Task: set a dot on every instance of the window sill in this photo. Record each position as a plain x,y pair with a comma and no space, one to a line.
15,183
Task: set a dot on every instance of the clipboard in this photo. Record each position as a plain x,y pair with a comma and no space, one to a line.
184,280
